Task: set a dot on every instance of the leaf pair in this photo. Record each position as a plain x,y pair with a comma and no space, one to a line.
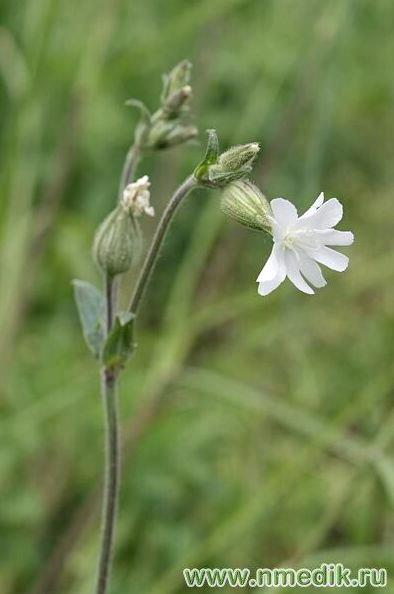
115,349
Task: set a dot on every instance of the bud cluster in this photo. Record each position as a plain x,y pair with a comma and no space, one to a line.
170,124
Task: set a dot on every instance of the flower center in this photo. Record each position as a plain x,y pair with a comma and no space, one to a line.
301,238
289,240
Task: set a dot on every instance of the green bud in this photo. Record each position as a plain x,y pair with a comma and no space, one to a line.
117,243
238,157
170,124
242,201
165,134
177,102
178,77
180,134
217,171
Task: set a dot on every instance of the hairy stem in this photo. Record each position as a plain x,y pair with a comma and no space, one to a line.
183,190
109,302
109,378
129,168
112,454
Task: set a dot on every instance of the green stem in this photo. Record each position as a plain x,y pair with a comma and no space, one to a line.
112,455
184,189
109,378
129,168
109,302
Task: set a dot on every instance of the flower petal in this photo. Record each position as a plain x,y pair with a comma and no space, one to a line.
334,237
266,287
273,264
284,212
330,258
294,274
328,215
317,203
311,270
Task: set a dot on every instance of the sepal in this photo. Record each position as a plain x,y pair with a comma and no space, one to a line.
243,202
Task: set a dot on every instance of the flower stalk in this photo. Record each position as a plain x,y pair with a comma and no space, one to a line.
129,168
110,337
180,194
109,385
112,453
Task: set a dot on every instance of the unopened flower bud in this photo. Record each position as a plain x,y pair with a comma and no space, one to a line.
218,170
238,156
168,133
180,134
242,201
176,102
178,77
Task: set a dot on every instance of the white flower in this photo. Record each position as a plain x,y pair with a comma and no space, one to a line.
301,244
136,197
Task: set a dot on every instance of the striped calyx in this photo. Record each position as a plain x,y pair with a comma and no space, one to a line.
243,202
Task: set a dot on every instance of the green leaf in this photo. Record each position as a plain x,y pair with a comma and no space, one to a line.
90,305
144,125
144,111
119,345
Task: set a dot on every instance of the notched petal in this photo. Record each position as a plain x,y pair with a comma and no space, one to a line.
284,212
335,237
331,258
294,274
325,217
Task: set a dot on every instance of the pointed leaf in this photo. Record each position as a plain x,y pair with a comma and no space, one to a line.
119,345
212,152
201,172
90,305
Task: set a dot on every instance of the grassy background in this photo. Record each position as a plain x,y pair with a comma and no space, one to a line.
258,431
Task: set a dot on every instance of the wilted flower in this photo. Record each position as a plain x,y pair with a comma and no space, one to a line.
301,244
117,243
136,198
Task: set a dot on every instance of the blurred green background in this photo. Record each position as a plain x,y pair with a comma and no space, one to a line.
258,432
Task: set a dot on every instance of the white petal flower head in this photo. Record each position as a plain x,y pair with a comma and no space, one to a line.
136,198
302,243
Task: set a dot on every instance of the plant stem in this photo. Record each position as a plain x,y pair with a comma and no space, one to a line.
183,190
112,454
109,396
109,378
109,302
129,168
